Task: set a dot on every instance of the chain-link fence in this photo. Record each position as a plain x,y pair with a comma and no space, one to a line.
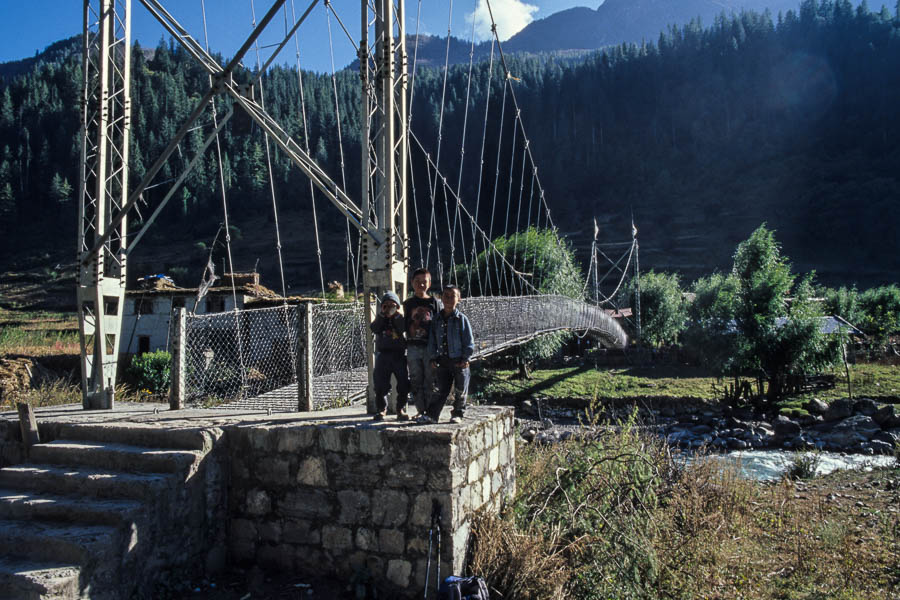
277,358
241,356
503,321
339,354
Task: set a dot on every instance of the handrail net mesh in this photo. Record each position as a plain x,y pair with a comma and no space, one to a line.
248,359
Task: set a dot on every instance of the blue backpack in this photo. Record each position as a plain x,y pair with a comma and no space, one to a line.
463,588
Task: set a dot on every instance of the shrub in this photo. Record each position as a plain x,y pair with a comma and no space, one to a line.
151,371
803,466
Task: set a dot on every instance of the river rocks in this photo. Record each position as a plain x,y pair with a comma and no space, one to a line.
851,431
886,417
839,409
816,407
786,428
865,406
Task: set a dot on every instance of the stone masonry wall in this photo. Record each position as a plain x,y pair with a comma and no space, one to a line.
333,498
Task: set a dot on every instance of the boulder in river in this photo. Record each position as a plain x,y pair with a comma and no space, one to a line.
786,428
839,409
815,407
851,432
865,406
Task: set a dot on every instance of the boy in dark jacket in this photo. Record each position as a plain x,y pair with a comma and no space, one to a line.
450,346
390,357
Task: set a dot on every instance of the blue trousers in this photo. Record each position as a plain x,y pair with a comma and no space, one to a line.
446,375
387,364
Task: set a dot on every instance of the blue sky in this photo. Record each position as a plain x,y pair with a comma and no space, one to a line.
34,24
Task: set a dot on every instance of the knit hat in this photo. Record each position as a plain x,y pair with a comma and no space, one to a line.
392,297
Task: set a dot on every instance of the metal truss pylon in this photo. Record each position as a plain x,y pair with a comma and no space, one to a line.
106,125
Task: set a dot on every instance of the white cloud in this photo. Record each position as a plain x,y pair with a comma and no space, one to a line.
511,17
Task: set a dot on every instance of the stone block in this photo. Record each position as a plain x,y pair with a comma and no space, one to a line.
489,435
305,504
312,471
473,472
391,541
339,439
355,506
365,539
417,546
370,442
260,438
459,539
294,439
493,459
353,472
336,538
271,557
486,489
421,511
242,551
445,480
308,558
270,531
434,455
300,531
389,508
274,471
406,475
398,572
496,482
258,503
243,529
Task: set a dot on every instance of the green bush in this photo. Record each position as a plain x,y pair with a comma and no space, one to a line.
803,466
151,371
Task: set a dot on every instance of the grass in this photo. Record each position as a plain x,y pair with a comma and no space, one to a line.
618,517
584,382
38,333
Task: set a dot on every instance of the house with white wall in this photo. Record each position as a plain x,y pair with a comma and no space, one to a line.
147,317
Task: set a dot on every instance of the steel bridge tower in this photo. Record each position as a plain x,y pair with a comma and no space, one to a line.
103,190
105,201
384,157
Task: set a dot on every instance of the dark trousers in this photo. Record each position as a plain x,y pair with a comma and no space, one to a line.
446,375
387,364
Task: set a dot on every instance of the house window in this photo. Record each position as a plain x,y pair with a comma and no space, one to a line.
178,302
143,344
143,306
215,304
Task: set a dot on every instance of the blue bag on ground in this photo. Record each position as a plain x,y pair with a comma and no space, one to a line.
463,588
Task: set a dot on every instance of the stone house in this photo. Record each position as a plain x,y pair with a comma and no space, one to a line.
146,320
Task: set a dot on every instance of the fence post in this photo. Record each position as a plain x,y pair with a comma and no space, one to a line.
305,358
176,394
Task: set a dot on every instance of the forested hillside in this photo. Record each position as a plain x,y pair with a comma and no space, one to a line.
702,135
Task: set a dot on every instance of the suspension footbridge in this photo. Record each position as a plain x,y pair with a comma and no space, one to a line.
421,202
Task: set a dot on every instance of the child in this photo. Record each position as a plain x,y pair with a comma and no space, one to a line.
390,357
450,346
420,310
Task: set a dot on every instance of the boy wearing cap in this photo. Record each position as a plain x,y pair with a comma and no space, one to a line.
450,346
390,357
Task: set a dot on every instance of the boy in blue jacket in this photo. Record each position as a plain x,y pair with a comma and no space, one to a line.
450,346
390,357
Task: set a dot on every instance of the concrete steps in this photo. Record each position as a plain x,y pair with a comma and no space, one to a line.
25,504
83,517
24,579
92,483
115,457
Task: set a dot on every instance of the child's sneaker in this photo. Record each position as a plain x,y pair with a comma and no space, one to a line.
424,420
402,416
379,416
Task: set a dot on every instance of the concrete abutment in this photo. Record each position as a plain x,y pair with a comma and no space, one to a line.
328,493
